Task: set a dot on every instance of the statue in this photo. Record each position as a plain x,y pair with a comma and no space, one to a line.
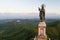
42,13
42,25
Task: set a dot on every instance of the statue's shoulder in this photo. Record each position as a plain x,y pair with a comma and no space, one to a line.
43,10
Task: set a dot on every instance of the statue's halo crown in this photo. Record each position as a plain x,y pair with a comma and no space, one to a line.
42,5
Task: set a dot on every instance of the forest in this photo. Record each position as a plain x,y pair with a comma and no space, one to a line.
27,29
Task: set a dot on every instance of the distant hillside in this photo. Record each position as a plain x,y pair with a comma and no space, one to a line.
27,30
53,30
14,30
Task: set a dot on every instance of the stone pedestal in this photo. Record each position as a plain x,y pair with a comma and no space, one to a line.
42,31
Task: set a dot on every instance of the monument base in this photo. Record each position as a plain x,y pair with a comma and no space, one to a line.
42,31
42,38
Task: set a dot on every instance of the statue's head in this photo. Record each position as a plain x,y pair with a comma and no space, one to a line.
42,6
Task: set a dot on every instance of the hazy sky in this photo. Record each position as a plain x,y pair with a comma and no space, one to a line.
19,6
28,6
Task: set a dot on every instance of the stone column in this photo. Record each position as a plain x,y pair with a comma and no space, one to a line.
42,31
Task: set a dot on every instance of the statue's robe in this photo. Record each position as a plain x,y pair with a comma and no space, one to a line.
42,14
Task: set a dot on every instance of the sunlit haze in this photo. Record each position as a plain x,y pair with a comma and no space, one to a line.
28,8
